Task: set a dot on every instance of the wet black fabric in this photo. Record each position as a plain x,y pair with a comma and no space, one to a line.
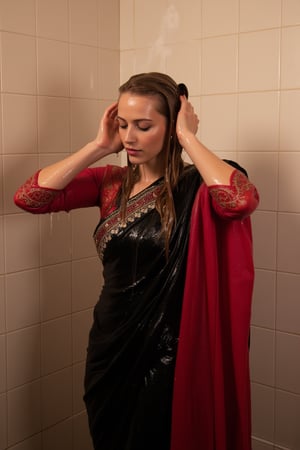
133,340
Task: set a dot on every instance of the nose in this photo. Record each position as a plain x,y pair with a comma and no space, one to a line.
130,134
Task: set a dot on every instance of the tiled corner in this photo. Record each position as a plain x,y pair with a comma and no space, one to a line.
262,356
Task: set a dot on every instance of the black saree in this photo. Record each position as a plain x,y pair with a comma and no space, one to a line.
133,340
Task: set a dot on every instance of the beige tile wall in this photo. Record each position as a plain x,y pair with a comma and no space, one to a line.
59,69
241,62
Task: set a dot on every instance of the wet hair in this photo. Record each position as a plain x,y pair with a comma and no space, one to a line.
163,88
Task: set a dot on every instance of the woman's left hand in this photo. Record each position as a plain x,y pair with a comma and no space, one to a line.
187,121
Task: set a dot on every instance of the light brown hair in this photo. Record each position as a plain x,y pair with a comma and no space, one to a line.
166,91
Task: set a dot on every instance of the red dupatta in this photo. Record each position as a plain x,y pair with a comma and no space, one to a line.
211,401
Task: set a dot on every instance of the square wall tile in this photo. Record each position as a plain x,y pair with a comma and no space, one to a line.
259,14
81,435
53,19
290,12
24,412
3,422
83,22
182,21
150,32
32,443
287,420
218,112
22,299
21,110
219,17
56,345
109,24
261,445
2,304
190,52
289,123
18,63
288,256
84,71
86,283
126,23
1,184
56,397
18,16
55,238
23,356
85,121
109,80
264,226
219,65
288,303
55,291
262,168
264,294
289,182
2,260
262,356
258,128
287,356
127,65
16,169
22,242
263,403
3,378
151,59
290,61
58,437
259,60
53,124
81,324
53,68
78,388
84,222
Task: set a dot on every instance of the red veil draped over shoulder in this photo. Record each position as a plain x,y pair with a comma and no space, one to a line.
211,400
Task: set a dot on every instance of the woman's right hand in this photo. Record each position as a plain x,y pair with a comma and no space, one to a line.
108,138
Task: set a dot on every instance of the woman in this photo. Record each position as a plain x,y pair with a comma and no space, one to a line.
175,243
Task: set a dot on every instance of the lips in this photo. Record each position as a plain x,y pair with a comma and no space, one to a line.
132,151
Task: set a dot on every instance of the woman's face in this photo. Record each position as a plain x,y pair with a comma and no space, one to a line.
142,129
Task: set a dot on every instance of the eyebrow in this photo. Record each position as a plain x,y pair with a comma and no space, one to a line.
136,120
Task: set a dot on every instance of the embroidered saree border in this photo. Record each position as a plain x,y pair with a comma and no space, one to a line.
138,205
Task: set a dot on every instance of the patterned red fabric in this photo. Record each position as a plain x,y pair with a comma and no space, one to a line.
211,402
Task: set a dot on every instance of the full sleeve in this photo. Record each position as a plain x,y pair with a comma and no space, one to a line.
84,191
